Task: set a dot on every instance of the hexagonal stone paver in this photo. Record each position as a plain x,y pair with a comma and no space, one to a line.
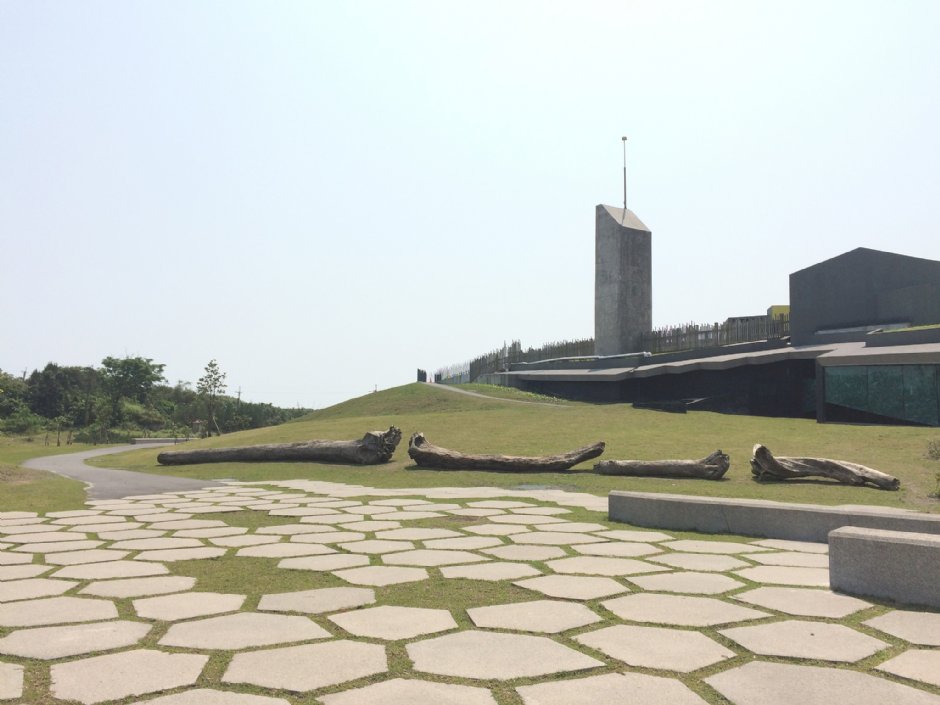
573,587
706,562
58,642
805,602
618,549
100,678
547,511
571,526
46,537
499,504
369,525
784,575
527,519
554,538
238,631
475,512
786,545
545,616
187,605
284,550
680,610
57,546
657,647
18,572
56,610
722,547
496,529
418,534
400,691
631,535
291,529
129,534
307,667
7,558
495,655
328,537
32,588
602,565
380,575
211,532
393,623
205,696
95,555
620,688
490,571
157,543
917,664
431,557
760,683
111,569
180,554
335,561
11,681
688,582
317,601
139,587
801,639
377,546
467,543
916,627
525,553
410,515
792,558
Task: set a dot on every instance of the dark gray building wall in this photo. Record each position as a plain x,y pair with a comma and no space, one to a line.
623,281
863,287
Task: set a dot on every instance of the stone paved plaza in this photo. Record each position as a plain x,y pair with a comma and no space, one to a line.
557,606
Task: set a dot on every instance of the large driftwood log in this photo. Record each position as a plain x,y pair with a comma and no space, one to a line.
372,449
431,456
711,467
767,468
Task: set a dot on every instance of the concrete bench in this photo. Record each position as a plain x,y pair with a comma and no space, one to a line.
757,517
893,565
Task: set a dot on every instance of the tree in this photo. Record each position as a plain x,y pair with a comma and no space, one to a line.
210,386
129,378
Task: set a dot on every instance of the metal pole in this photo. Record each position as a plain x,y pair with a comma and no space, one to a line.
624,139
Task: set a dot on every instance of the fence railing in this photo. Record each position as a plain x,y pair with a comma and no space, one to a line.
692,336
500,359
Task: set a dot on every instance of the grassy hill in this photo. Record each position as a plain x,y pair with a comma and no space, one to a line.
489,425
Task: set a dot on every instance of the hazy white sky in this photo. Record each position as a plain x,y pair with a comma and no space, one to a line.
324,196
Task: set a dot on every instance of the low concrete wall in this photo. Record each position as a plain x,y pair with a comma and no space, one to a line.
756,517
893,565
157,441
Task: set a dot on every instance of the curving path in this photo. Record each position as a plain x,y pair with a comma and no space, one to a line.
110,483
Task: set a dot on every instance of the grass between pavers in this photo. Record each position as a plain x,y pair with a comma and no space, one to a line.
475,425
258,576
23,489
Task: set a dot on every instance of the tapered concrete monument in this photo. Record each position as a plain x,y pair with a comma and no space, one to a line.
623,281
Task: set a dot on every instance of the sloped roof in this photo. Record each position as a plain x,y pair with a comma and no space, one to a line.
626,220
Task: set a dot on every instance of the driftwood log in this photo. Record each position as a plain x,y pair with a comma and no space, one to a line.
427,455
374,448
711,467
767,468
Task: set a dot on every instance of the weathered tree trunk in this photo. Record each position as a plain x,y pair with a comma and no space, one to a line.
372,449
767,468
430,456
711,467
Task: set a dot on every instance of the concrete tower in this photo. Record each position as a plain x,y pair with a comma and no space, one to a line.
623,281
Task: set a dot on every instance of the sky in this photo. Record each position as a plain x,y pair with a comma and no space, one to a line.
325,196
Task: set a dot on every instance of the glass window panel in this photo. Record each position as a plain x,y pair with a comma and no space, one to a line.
847,386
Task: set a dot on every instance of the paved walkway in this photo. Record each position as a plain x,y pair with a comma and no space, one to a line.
563,611
109,483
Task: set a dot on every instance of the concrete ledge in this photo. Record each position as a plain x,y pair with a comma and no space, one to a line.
757,517
894,565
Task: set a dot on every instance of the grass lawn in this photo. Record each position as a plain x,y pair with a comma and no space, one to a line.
477,425
28,490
